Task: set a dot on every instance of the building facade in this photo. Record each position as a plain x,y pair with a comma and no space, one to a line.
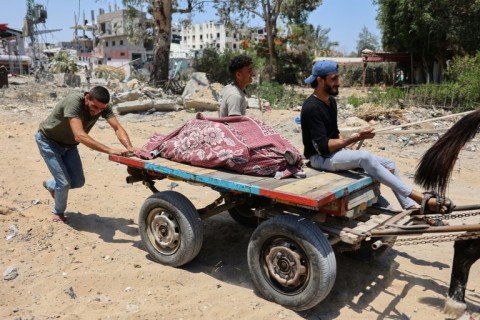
210,35
113,47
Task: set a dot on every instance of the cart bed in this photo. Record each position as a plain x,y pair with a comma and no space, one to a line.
316,190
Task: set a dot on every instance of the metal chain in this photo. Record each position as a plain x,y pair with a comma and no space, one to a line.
433,239
447,216
456,216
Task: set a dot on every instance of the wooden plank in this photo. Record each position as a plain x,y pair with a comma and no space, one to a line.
240,178
202,178
312,183
312,191
329,185
183,166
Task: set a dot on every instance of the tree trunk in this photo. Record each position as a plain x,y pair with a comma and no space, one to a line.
270,25
426,70
162,15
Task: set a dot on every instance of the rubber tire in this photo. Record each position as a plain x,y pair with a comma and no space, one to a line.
184,214
244,216
366,252
315,249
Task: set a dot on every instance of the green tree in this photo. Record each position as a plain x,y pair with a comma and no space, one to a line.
161,12
269,11
366,40
62,62
430,30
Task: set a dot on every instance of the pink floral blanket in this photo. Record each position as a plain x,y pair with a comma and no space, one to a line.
239,143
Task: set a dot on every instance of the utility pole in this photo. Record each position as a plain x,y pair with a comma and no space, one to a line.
36,13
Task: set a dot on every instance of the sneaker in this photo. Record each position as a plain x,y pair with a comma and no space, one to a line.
52,192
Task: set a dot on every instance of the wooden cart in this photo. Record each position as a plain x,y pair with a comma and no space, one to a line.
299,223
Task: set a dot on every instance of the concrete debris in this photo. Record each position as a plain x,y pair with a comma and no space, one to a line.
71,293
113,84
368,111
134,84
199,95
202,105
127,96
10,273
12,232
145,105
132,308
254,103
355,122
152,92
197,81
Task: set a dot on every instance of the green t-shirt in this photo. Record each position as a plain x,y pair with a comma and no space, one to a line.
57,127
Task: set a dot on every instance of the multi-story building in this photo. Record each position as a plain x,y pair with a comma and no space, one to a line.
113,47
210,34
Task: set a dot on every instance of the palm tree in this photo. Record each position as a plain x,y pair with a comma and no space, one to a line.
323,46
61,62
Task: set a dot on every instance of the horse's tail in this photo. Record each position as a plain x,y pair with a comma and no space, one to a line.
435,168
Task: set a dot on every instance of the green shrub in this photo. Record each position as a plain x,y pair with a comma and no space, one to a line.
465,78
279,96
355,101
388,98
214,64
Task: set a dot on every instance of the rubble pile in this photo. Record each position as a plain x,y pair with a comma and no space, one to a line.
200,95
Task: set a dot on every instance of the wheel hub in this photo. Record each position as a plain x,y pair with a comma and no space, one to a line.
165,230
285,266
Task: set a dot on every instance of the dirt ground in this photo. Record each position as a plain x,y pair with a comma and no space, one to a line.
95,267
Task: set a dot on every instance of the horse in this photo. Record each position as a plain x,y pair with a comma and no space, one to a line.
434,172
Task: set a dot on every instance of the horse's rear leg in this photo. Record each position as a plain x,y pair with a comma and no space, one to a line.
466,252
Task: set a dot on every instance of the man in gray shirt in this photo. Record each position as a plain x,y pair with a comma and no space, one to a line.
234,102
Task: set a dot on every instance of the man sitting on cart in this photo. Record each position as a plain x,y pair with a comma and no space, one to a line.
328,150
234,102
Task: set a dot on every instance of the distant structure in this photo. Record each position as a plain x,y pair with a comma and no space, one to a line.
35,15
105,41
113,46
216,35
12,51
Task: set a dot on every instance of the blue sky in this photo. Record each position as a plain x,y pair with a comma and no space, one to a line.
345,18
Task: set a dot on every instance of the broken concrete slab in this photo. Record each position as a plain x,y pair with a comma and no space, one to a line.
134,84
197,81
127,96
145,105
201,104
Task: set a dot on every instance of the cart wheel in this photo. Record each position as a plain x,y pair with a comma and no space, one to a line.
291,262
170,228
244,215
367,253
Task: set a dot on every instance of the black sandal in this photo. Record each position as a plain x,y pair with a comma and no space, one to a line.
442,202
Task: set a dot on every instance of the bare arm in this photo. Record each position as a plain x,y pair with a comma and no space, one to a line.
121,134
82,137
342,142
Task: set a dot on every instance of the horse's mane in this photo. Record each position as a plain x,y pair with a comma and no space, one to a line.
435,167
